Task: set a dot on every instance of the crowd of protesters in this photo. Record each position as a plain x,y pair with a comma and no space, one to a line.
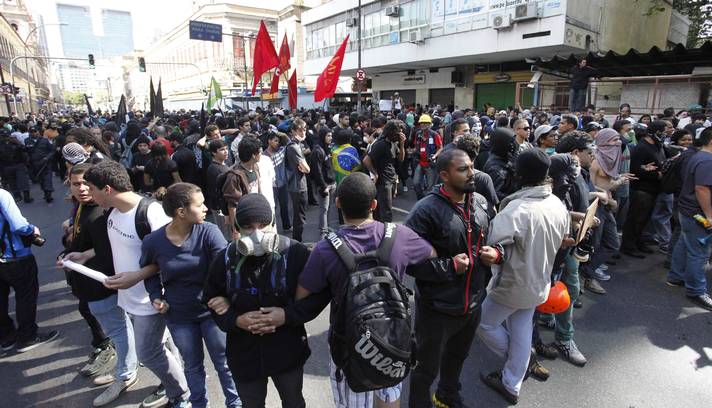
197,220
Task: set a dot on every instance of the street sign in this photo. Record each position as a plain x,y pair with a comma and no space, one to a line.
360,74
203,31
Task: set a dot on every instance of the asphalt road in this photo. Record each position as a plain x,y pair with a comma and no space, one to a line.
647,346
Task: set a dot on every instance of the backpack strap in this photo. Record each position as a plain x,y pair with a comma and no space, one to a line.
143,227
386,246
343,251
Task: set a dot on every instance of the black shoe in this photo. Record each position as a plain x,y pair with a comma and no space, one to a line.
8,344
441,401
48,197
632,253
546,351
675,283
644,249
40,339
27,198
616,256
494,381
578,304
703,301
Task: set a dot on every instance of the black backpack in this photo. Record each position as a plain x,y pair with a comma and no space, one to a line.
671,182
143,227
371,337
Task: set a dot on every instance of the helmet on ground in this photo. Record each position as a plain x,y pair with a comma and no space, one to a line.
558,300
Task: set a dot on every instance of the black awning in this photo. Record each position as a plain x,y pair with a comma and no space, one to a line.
676,61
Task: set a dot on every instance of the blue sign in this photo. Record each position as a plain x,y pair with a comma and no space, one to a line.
203,31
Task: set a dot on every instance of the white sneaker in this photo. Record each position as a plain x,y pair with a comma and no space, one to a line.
103,379
603,267
114,391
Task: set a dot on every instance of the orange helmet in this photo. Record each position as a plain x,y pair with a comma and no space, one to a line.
558,300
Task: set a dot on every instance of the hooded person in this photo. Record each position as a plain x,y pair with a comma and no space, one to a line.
250,277
500,163
608,152
530,227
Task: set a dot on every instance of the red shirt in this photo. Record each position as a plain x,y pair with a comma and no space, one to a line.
423,147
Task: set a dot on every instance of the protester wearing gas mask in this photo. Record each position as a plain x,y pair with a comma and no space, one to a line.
645,163
247,279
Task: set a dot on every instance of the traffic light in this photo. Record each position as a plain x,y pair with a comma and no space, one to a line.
91,61
141,64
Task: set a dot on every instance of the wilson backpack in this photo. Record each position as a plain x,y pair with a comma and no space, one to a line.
371,337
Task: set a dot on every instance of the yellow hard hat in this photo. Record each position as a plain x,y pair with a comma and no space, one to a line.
425,119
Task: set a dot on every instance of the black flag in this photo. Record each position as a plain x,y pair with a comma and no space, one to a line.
203,117
90,111
152,99
159,100
121,111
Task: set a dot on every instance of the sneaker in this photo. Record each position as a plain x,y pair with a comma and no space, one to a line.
405,189
103,379
157,398
39,340
8,344
546,351
182,402
601,275
675,283
104,360
114,391
570,353
594,287
603,267
536,370
578,304
494,381
703,301
441,401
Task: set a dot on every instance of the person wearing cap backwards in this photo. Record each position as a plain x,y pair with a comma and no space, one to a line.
428,145
246,280
545,140
531,227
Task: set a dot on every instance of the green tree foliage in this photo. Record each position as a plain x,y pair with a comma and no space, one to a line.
73,98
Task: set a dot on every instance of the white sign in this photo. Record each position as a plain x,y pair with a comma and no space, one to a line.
88,272
413,79
360,74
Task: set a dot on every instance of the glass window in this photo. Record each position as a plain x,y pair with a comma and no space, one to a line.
340,32
332,35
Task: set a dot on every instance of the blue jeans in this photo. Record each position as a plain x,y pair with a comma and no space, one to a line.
282,196
577,100
189,338
565,320
324,204
659,227
605,242
118,327
424,179
690,256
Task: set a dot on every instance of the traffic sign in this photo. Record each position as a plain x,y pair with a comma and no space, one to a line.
360,74
200,30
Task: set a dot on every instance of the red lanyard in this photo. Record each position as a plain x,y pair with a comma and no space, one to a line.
466,213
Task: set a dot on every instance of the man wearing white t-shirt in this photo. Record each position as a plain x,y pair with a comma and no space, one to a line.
110,185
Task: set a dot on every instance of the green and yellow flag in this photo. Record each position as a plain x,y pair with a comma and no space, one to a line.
215,94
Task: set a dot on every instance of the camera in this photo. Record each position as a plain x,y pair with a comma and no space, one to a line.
582,252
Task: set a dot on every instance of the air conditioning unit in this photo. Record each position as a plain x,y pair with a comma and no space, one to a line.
393,11
527,11
415,36
351,22
502,22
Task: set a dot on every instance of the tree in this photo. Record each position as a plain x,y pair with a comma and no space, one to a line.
699,12
73,98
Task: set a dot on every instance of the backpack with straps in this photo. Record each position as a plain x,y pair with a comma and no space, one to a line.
143,226
671,182
371,337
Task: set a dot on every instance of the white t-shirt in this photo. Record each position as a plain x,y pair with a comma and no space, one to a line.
126,250
267,178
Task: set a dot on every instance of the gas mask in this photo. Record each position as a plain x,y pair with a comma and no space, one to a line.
259,242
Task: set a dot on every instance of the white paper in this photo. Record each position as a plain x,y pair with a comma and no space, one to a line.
96,275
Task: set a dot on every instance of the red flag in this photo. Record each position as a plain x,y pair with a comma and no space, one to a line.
293,90
284,55
275,81
265,55
329,78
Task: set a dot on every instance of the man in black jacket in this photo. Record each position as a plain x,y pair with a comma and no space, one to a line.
454,219
580,74
500,164
645,161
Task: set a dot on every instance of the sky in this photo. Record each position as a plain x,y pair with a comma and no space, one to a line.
150,17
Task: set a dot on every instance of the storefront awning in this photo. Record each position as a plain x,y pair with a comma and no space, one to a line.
676,61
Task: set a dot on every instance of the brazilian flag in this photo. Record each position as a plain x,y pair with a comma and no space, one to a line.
345,160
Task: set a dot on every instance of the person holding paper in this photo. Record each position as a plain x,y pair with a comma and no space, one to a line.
88,232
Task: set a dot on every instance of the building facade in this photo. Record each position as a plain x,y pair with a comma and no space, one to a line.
466,53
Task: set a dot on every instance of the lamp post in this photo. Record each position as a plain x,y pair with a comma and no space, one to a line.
27,73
